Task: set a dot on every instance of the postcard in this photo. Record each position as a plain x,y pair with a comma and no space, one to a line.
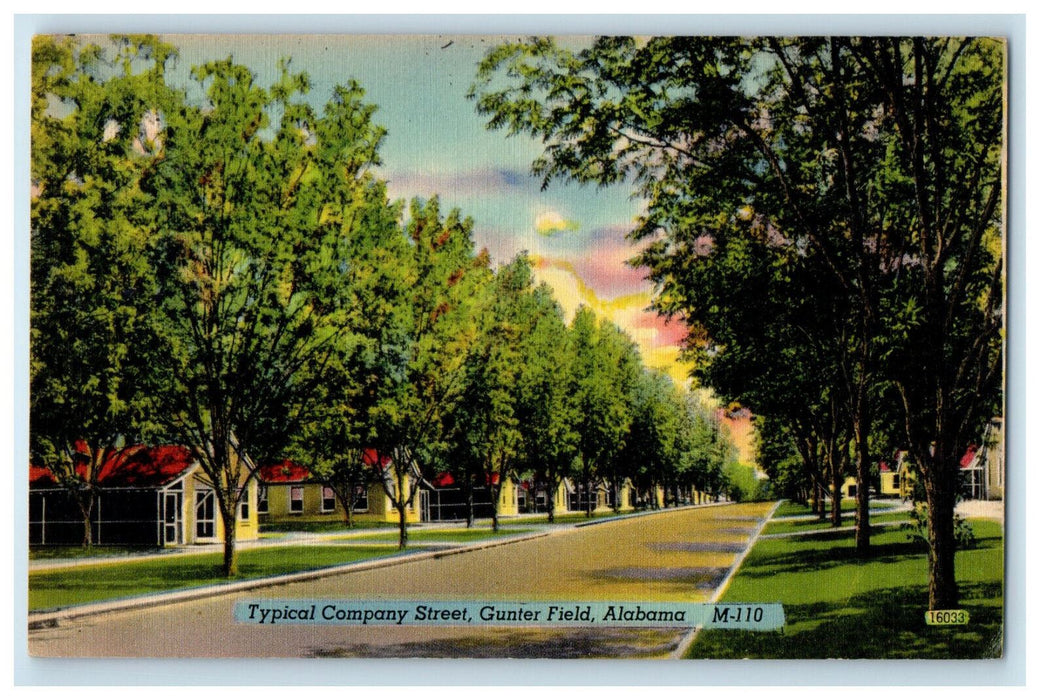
480,346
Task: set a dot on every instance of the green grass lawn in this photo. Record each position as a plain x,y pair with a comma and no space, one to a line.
438,535
838,605
327,526
782,526
95,582
43,553
788,508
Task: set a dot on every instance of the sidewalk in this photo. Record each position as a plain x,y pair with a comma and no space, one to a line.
991,510
338,537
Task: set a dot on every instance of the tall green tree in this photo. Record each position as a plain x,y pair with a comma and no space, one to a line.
657,424
428,334
255,203
879,160
486,427
605,366
545,419
93,352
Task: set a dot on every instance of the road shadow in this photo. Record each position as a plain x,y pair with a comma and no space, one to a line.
520,643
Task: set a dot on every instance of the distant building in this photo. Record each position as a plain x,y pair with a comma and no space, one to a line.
288,492
156,496
983,465
444,499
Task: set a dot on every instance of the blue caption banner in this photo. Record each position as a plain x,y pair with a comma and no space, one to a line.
739,616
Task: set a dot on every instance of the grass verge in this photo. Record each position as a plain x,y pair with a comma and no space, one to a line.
46,553
838,605
441,535
97,582
789,509
328,526
783,526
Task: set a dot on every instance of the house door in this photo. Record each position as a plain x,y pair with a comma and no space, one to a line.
423,502
172,518
205,514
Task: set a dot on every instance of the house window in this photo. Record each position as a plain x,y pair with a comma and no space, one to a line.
896,481
263,498
297,500
205,513
539,498
360,499
327,500
245,506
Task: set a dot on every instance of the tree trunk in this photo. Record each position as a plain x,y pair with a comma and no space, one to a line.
401,509
496,497
836,482
836,511
469,506
349,504
229,545
941,556
86,502
862,530
820,491
815,494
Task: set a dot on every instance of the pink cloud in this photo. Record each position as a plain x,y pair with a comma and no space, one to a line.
670,331
609,276
603,263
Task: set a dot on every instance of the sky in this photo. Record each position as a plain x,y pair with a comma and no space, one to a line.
438,144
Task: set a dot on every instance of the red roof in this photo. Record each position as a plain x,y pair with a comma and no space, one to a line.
40,477
288,472
283,472
139,466
968,456
446,480
371,458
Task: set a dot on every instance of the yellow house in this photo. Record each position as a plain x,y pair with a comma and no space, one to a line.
983,466
288,492
894,479
145,495
443,499
600,494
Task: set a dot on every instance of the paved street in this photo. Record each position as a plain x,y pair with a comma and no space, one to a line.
670,556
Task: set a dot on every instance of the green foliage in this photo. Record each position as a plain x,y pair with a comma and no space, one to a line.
917,529
548,440
605,365
93,343
744,484
824,212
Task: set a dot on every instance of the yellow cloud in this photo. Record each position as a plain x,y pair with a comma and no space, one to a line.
550,222
623,311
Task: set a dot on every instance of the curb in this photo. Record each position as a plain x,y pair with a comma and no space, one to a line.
689,638
52,618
